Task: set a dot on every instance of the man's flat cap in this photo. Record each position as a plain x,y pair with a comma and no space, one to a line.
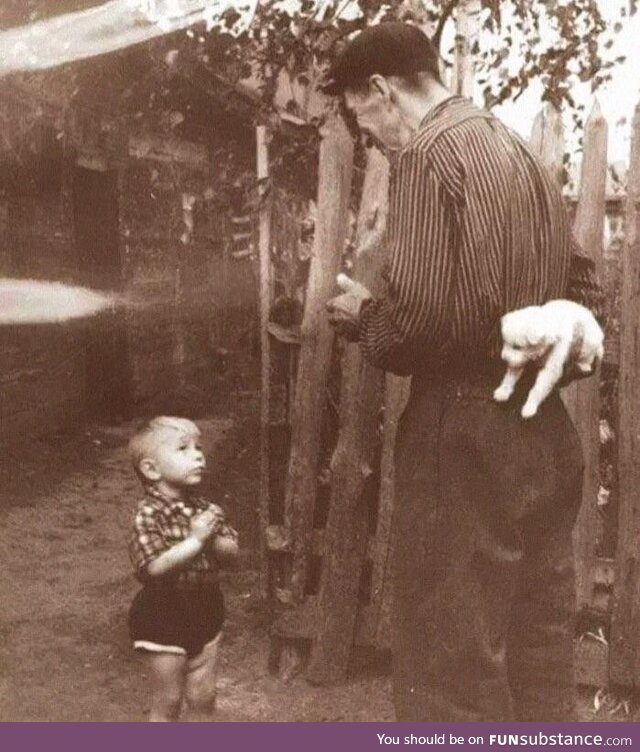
390,49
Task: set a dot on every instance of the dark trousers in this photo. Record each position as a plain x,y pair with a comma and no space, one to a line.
483,565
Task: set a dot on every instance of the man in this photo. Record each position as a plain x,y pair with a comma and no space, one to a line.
485,501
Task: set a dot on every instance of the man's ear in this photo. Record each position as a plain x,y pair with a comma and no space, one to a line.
148,468
379,85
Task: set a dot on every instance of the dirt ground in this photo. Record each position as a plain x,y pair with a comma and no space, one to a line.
66,585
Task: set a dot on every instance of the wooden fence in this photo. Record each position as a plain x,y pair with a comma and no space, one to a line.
329,567
624,660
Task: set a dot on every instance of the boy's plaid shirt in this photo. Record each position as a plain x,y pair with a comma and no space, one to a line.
160,523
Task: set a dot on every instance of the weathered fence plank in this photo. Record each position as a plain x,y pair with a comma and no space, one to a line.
397,390
347,528
334,185
624,657
583,398
547,139
467,29
264,247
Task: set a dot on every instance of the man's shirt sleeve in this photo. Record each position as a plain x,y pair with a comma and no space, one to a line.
408,325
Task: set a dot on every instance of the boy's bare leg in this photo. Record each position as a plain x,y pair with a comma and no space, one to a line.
202,672
166,672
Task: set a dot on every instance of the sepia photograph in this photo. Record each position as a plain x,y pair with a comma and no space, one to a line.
320,365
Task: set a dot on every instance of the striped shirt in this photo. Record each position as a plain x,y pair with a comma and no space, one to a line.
477,228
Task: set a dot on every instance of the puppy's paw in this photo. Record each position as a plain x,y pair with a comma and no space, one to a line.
502,394
529,410
585,367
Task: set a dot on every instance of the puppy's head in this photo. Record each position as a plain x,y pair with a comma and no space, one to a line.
523,336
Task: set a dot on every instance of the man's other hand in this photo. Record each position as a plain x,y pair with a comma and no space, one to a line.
585,351
344,310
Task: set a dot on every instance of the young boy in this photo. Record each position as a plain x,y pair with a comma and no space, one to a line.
177,544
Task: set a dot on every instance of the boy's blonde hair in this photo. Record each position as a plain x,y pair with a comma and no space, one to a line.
144,442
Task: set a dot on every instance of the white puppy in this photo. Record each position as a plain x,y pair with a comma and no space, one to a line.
549,334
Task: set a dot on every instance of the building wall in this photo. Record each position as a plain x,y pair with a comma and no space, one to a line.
42,368
189,297
189,293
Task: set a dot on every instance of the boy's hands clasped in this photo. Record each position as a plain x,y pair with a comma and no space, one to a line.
210,528
207,523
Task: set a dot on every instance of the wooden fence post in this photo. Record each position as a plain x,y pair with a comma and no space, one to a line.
264,247
227,245
335,169
624,653
347,529
467,28
547,139
397,389
583,398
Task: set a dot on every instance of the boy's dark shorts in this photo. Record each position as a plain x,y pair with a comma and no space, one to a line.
176,619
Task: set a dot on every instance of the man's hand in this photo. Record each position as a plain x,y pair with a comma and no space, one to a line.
344,310
584,344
